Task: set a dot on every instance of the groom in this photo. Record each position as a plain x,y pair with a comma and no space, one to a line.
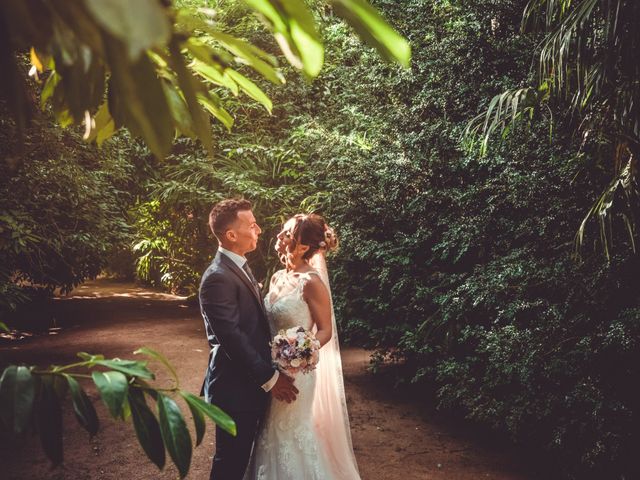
240,373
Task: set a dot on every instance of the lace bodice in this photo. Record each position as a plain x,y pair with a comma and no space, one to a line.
309,438
287,446
285,304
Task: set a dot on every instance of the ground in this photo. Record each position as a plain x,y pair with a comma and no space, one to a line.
395,436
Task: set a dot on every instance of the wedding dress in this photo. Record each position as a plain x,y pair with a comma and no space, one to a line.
310,437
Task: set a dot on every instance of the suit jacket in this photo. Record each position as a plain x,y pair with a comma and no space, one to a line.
238,334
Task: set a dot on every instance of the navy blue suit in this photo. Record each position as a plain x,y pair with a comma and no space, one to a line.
239,363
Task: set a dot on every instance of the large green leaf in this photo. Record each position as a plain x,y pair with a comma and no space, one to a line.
179,109
374,30
214,75
128,367
82,406
250,88
214,413
198,419
175,433
279,23
147,428
77,17
191,88
17,391
303,32
113,390
139,24
48,416
212,104
249,54
157,356
136,99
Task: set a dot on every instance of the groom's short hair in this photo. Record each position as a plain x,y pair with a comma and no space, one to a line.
224,213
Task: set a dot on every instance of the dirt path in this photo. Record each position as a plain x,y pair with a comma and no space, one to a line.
395,438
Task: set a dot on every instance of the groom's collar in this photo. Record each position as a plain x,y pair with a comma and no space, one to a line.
238,260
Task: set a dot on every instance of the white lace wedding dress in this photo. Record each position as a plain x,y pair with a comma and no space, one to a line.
291,444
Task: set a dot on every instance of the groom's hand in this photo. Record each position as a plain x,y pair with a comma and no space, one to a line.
284,389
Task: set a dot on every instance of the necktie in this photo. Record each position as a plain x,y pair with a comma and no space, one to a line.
247,270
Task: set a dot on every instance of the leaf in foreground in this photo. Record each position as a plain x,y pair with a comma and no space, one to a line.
174,433
17,392
82,407
113,390
147,428
223,420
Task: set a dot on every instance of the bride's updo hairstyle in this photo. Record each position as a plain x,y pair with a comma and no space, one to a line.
312,230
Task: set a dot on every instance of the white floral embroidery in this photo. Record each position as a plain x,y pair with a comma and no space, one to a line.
287,446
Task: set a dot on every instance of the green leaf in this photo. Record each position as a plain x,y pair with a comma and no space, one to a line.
212,104
174,433
250,88
17,391
280,26
374,30
49,87
223,420
90,358
104,125
3,327
191,88
159,357
213,75
128,367
179,110
140,25
113,390
82,406
136,99
147,428
249,54
303,32
49,420
198,419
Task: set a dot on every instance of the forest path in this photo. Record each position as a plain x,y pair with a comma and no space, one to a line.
394,437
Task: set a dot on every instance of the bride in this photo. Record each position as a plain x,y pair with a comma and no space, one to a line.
310,437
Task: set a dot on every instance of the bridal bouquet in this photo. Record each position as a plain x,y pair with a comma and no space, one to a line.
295,350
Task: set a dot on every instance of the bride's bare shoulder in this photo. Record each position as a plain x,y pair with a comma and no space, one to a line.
313,285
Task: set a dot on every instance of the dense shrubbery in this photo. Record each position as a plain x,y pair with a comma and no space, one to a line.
462,266
61,211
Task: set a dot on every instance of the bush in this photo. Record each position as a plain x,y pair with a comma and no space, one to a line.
61,214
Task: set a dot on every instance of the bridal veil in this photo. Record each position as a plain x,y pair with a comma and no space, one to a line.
329,406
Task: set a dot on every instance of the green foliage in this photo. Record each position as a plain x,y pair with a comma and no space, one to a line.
586,63
61,214
460,265
30,397
173,243
125,61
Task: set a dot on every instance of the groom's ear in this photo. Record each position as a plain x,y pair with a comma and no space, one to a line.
230,235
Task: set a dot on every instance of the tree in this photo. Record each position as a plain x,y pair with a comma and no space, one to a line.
587,65
155,69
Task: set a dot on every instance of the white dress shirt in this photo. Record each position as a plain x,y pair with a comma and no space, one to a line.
239,260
